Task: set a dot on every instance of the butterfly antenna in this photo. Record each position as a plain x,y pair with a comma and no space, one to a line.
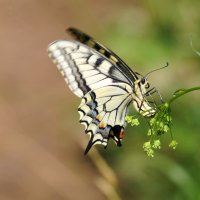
166,65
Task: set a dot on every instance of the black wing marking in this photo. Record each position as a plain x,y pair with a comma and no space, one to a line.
103,112
89,41
83,68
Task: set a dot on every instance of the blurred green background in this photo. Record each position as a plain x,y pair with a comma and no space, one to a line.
41,139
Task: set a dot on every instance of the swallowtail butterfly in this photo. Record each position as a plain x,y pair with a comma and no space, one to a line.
104,82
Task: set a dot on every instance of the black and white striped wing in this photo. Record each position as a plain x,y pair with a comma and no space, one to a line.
103,112
116,60
105,89
83,68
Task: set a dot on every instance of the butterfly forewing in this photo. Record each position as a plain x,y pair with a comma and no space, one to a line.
83,68
91,42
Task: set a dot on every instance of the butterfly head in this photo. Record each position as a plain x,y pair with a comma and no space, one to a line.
140,102
142,91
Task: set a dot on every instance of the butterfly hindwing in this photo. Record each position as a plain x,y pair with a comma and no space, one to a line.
103,111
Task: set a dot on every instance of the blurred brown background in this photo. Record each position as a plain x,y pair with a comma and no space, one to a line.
39,159
41,154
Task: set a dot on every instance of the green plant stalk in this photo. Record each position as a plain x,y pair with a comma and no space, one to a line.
185,91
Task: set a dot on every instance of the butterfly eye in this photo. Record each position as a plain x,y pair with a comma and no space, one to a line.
143,81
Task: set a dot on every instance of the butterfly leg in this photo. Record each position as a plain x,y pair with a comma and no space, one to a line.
152,91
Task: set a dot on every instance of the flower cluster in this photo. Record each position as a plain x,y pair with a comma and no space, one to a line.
159,124
132,120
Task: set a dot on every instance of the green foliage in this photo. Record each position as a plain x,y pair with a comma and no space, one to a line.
132,120
173,144
160,123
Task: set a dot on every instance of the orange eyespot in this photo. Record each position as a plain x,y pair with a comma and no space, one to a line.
121,135
101,125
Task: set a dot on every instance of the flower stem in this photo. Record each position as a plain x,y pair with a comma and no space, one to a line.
182,92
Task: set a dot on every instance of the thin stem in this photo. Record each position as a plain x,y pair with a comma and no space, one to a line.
183,92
